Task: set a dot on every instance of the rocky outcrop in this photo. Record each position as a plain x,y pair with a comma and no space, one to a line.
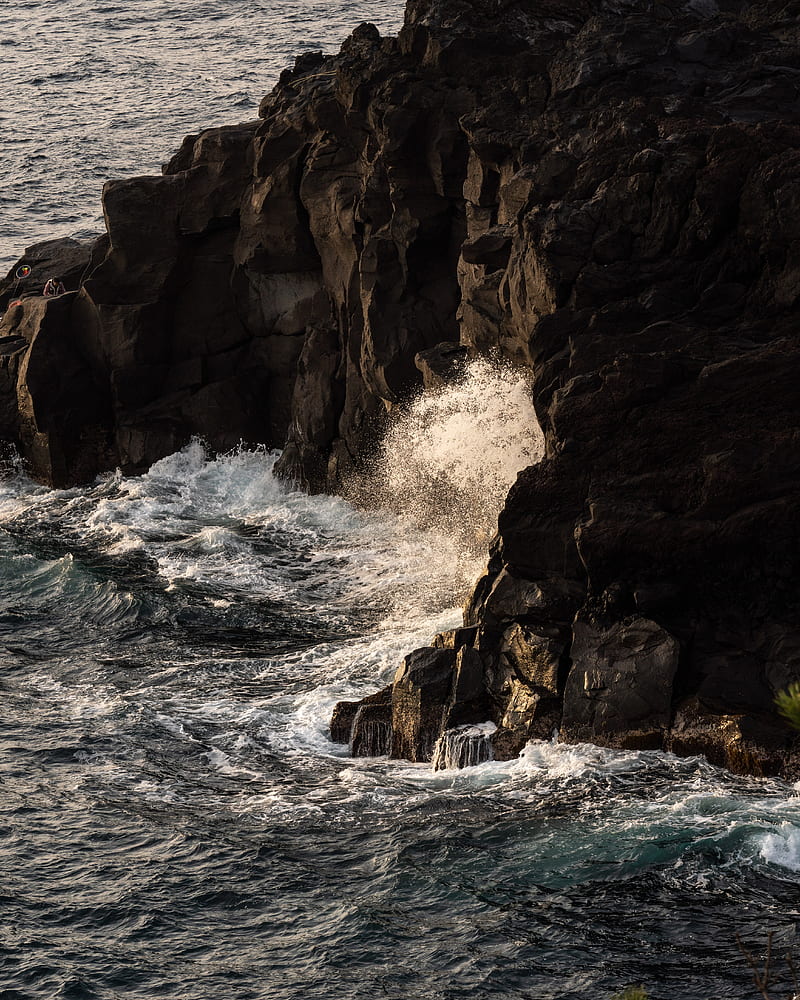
605,192
67,260
621,681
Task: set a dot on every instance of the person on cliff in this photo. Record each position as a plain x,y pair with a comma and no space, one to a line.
53,287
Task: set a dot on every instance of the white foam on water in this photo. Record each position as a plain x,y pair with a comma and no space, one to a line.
82,701
555,760
276,807
222,762
782,847
348,671
207,520
172,726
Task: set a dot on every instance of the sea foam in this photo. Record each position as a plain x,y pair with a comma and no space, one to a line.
782,847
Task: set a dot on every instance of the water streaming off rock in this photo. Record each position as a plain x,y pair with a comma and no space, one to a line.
465,746
371,737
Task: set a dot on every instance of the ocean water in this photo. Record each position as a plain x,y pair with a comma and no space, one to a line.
174,820
99,90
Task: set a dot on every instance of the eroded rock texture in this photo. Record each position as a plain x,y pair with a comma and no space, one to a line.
607,192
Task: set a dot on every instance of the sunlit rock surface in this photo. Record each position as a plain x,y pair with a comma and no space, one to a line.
607,194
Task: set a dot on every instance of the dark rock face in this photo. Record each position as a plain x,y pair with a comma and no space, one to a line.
630,238
342,719
65,259
366,725
606,193
420,694
437,688
620,683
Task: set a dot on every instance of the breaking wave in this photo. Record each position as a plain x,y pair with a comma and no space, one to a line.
450,456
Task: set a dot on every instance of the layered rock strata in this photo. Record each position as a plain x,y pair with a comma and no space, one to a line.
605,192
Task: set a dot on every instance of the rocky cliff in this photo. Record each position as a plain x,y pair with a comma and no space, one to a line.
604,191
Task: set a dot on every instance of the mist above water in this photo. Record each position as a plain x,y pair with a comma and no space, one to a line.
450,456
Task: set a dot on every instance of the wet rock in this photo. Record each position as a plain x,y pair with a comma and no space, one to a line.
455,638
514,598
745,743
372,729
469,700
535,659
528,716
529,704
464,746
441,364
619,688
341,726
345,713
62,404
421,690
507,744
521,708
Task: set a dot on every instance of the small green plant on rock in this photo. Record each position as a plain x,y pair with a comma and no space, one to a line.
631,993
788,704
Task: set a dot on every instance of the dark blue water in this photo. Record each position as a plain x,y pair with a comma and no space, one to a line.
174,821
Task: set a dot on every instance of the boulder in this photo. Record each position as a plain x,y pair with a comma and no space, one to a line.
619,688
422,688
341,725
469,700
343,720
372,730
535,659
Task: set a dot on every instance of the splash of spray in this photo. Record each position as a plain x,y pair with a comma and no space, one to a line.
449,457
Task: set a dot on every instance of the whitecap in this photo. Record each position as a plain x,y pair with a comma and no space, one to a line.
781,847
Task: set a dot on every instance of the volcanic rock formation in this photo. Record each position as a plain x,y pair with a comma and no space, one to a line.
606,192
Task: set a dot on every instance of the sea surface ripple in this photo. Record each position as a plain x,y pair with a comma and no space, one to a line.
94,91
176,823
